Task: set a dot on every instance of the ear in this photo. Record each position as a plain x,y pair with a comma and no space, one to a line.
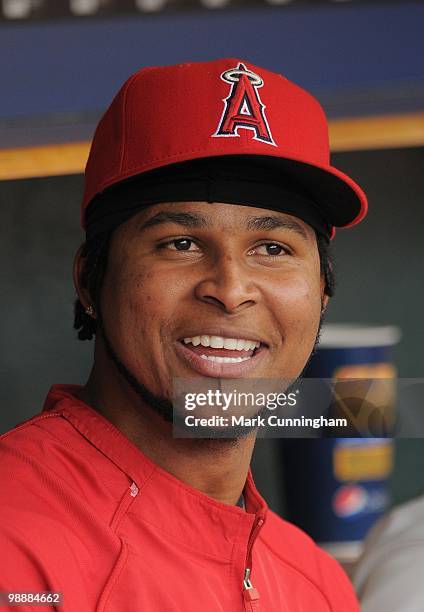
324,302
82,292
324,297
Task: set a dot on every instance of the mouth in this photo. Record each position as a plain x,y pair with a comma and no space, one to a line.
220,356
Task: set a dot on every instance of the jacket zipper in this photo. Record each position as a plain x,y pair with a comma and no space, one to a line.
250,594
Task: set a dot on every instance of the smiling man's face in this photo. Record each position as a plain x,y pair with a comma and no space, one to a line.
211,290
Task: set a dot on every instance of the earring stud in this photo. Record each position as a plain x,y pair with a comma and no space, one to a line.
89,310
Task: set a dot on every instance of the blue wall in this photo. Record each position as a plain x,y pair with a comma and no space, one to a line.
358,59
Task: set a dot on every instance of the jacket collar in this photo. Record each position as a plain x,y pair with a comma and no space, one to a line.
165,502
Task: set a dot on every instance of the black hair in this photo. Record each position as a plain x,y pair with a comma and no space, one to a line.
95,255
326,264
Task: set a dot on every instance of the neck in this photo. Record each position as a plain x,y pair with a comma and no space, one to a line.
216,467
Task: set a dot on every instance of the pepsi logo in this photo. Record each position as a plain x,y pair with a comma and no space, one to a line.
349,500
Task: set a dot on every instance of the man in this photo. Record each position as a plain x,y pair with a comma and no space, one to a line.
388,574
208,209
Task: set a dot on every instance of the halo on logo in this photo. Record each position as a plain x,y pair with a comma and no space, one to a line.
232,76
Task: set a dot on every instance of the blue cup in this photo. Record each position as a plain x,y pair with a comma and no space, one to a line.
337,488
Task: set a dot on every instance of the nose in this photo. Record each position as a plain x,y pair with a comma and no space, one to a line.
228,285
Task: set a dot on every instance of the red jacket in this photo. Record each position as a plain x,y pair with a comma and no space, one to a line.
85,513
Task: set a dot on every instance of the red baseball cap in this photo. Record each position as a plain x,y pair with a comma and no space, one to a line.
167,115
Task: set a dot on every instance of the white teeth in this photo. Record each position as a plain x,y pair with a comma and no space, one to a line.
224,359
216,342
240,345
231,344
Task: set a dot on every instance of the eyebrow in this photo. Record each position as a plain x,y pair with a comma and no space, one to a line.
270,222
197,220
186,219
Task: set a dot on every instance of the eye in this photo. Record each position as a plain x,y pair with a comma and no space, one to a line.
180,244
272,249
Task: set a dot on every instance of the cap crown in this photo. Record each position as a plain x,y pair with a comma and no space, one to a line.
165,115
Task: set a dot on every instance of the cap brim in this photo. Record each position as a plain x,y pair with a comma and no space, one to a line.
340,200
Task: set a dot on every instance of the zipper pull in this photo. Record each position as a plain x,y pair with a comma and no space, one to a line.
250,594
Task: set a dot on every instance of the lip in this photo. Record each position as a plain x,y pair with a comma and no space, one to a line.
227,333
212,369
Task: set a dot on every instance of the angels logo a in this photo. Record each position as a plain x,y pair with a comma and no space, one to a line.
243,107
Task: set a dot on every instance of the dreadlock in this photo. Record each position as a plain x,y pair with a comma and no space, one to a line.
326,264
94,254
